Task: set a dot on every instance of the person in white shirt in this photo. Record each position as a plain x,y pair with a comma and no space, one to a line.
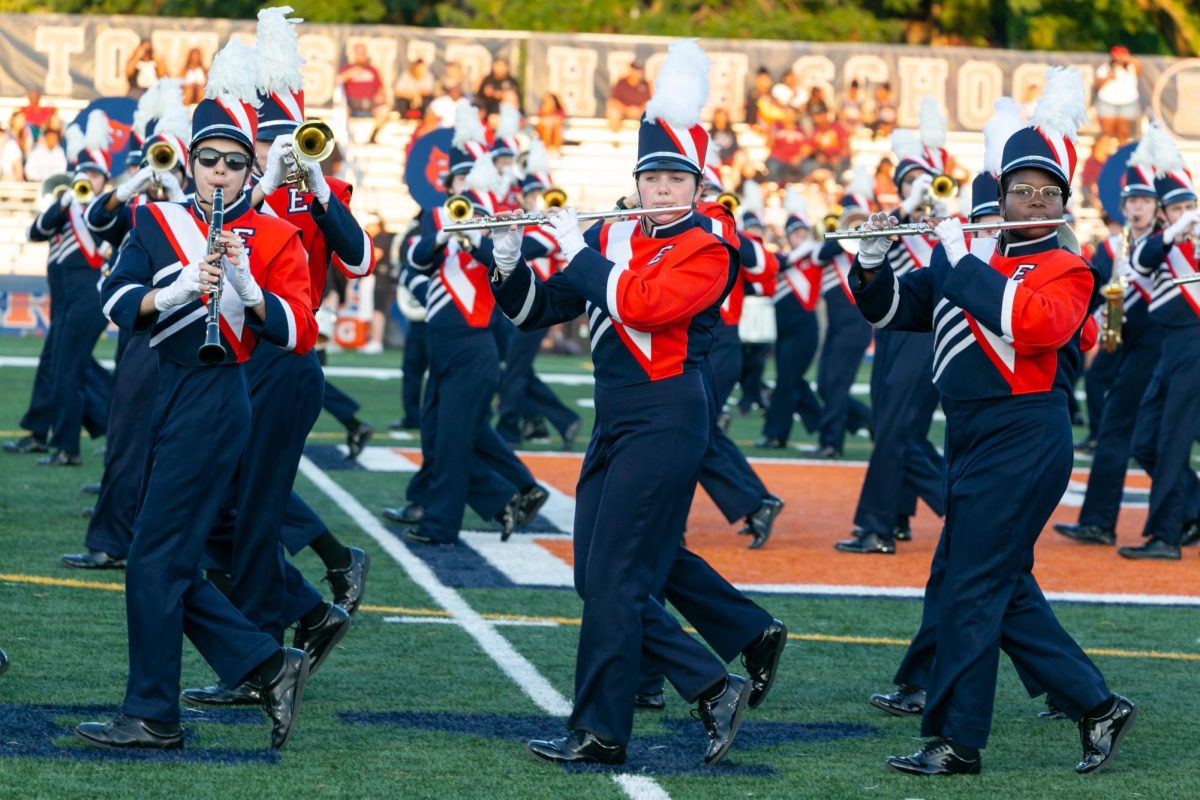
1118,105
46,158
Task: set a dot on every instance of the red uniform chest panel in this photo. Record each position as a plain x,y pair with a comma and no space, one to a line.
295,208
466,280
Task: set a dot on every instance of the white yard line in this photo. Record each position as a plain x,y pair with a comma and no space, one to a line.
512,663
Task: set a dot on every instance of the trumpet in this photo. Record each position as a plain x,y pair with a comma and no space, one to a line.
458,207
554,197
1113,313
943,188
81,189
212,352
924,228
729,200
538,218
312,141
162,158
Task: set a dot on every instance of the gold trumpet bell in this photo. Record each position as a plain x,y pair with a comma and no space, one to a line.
459,207
81,188
313,142
554,197
162,157
729,200
943,188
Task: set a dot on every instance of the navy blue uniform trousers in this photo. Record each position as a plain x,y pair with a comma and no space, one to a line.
74,368
795,347
724,473
1008,462
904,465
754,364
1096,383
1167,422
846,340
285,401
523,393
1128,371
416,363
631,505
200,426
110,529
342,406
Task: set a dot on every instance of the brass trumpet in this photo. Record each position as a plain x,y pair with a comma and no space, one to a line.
554,197
923,228
81,189
312,141
729,200
943,188
458,207
162,158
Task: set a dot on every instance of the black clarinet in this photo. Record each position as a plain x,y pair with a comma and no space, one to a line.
212,351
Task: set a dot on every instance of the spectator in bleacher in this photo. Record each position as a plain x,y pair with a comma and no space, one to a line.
363,87
1118,104
496,88
454,76
39,117
143,69
551,122
850,112
12,157
445,105
830,141
722,134
788,93
194,76
790,150
46,158
627,97
883,111
886,193
817,103
761,89
414,90
1102,149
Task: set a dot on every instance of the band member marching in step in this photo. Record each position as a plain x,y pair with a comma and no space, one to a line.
755,353
651,289
173,278
1010,330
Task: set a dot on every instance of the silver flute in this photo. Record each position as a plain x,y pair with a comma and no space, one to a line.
913,228
538,218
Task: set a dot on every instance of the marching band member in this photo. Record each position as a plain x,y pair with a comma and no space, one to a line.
71,391
162,119
796,334
755,354
504,150
416,342
904,465
651,289
1003,373
201,420
522,393
1130,368
1166,418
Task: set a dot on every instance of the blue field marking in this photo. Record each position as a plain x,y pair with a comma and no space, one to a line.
676,751
459,566
329,457
47,731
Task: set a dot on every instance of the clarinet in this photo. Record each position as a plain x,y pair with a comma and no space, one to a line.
212,352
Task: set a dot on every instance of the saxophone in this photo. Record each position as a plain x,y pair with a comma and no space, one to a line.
1113,312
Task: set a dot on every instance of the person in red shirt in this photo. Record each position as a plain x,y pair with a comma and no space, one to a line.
789,158
364,90
628,97
38,117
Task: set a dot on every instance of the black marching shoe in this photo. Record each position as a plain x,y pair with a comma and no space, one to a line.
27,444
90,488
281,695
411,514
907,701
1153,548
866,542
903,530
761,660
1101,736
1088,534
415,536
759,524
1190,534
348,584
1085,447
319,640
937,757
244,694
92,559
770,444
509,516
827,451
577,747
650,701
61,458
3,662
569,433
532,500
722,716
1052,712
129,733
357,438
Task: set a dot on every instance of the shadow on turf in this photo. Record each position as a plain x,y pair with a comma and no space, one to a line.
677,751
34,731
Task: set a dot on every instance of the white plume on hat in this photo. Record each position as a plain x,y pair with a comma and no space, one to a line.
73,141
538,161
175,121
165,93
467,127
794,204
1062,108
1144,154
1164,153
279,59
234,74
933,123
483,176
1006,120
98,135
681,88
752,197
510,121
863,182
905,144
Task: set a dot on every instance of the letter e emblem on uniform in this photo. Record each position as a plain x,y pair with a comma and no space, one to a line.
246,234
658,256
296,202
1021,271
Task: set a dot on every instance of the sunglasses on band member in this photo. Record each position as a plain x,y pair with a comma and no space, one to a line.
208,158
1024,192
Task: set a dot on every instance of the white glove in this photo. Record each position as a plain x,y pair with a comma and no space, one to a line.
135,185
873,251
916,193
242,281
171,187
506,250
442,237
474,237
564,227
66,198
316,181
184,289
1180,227
277,165
950,232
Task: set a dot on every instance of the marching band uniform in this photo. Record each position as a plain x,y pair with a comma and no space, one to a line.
1166,419
416,342
1010,332
200,427
652,294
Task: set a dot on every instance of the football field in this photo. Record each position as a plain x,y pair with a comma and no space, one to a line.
460,655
